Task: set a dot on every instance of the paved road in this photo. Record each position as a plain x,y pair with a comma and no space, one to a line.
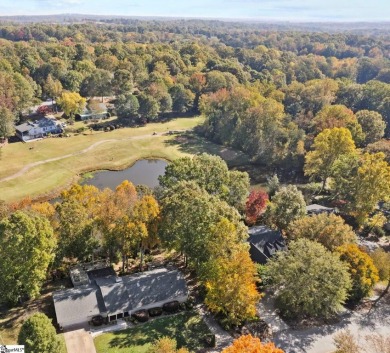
79,341
320,339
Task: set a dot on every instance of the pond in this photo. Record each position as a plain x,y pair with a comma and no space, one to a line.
144,171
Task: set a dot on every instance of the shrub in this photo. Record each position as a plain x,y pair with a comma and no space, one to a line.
141,315
171,307
155,312
38,335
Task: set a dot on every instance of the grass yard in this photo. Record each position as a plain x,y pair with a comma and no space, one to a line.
114,150
187,328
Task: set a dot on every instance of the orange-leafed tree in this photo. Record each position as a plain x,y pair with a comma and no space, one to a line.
250,344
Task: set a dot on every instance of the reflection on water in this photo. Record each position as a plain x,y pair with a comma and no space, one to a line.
145,171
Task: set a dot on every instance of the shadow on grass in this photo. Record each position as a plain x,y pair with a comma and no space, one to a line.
187,328
189,142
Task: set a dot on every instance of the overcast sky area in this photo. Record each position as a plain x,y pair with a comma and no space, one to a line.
291,10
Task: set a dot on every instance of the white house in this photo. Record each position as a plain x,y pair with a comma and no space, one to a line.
37,129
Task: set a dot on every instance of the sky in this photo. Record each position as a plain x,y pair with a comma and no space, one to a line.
290,10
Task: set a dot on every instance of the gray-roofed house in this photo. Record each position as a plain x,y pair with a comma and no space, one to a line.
317,209
38,129
115,297
264,243
95,111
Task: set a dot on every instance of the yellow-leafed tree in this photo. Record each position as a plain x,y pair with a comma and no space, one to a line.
231,287
362,270
71,103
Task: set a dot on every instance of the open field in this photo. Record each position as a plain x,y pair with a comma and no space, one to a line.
99,150
187,328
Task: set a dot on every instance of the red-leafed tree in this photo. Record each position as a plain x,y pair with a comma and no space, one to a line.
255,206
44,110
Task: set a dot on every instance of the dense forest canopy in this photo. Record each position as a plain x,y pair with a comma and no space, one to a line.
291,83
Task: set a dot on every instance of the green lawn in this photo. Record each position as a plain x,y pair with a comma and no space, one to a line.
125,146
187,328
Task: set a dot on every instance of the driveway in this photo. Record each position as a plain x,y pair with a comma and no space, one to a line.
320,339
79,341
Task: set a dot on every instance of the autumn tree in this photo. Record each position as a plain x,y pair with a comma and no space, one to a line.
329,230
255,206
231,287
38,335
249,344
338,116
328,146
127,221
27,245
362,270
319,276
286,206
71,103
372,124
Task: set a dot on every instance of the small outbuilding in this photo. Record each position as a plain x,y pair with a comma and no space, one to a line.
265,243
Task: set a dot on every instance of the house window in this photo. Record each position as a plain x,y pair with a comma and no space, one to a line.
112,318
119,316
126,314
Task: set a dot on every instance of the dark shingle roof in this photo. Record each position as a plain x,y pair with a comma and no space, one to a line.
81,302
114,295
265,242
131,292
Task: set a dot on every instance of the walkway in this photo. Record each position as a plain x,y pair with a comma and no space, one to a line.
222,338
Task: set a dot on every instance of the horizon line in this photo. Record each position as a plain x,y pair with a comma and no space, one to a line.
238,19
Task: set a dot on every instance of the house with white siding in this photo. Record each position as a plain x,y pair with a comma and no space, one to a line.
38,129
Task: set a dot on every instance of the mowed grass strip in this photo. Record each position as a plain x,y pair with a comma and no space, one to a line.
187,328
127,146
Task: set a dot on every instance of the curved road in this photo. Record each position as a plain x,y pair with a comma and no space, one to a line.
29,166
